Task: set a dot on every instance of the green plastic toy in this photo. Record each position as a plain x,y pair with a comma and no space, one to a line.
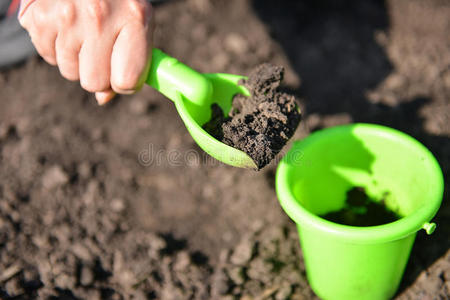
193,93
346,262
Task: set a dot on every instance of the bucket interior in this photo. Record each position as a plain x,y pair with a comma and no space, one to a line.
388,164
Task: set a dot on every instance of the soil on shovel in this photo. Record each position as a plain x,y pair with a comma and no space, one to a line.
259,125
361,210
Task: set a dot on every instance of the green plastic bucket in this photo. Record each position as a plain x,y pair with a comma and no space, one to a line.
347,262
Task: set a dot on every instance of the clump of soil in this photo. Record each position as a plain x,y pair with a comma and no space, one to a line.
259,125
361,210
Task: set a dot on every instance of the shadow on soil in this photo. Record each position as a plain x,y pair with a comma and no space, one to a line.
331,46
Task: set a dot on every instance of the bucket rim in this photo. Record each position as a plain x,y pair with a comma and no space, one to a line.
371,234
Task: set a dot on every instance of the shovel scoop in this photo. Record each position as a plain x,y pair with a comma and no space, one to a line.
193,93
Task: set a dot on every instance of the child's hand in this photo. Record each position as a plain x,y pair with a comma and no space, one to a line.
105,44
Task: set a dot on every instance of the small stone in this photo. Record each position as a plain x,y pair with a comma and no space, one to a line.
237,275
117,205
259,270
81,252
139,295
236,43
62,233
394,81
40,241
9,272
3,131
284,292
15,216
243,252
220,283
257,225
54,177
86,276
138,106
44,270
84,170
65,281
156,245
118,264
182,261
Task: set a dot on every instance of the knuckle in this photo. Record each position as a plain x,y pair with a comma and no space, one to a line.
67,13
32,20
140,10
28,20
33,16
97,10
24,21
40,17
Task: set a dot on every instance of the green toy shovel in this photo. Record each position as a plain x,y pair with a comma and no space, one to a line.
193,93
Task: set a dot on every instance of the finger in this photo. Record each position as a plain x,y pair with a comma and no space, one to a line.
45,46
130,60
67,51
41,30
95,65
27,16
104,97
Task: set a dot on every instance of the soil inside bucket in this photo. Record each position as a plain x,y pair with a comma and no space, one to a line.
259,125
361,210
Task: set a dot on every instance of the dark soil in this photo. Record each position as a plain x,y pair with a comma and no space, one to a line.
259,125
361,210
117,202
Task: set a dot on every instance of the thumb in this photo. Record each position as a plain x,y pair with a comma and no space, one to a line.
104,97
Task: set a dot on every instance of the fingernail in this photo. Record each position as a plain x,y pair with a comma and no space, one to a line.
104,97
102,101
127,92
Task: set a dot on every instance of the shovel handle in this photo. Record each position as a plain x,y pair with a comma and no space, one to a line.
171,78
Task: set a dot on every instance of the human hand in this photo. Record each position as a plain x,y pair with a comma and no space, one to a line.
105,44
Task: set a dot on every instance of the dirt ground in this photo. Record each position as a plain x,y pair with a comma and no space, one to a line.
118,202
